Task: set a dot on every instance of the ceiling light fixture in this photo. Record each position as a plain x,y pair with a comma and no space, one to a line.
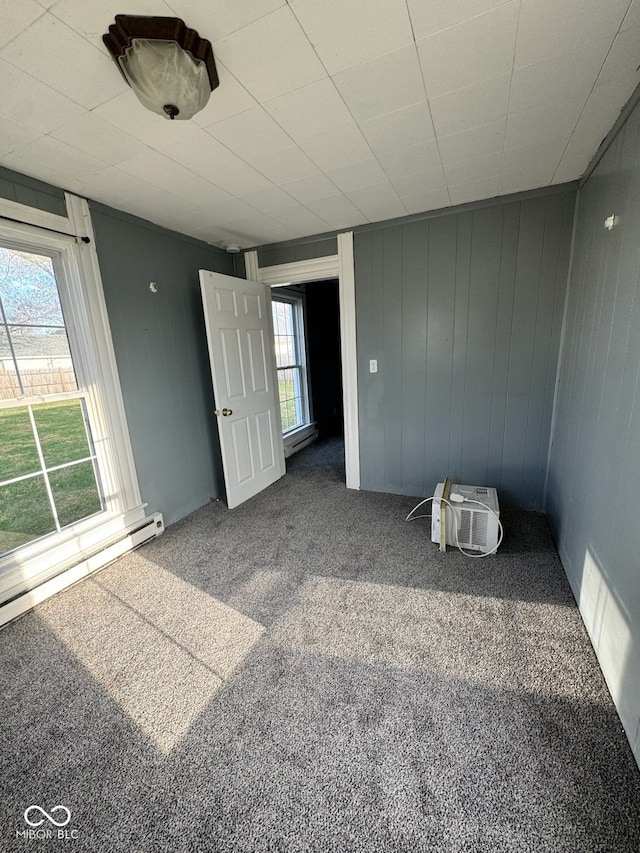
168,66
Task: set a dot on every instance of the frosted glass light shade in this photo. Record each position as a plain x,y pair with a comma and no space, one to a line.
165,78
169,66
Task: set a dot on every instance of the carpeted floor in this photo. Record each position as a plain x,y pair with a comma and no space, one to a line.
309,673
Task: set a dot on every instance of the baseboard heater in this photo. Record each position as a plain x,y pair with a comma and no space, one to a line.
304,441
104,554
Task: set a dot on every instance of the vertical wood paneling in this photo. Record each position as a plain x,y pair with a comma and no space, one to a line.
161,351
463,313
594,463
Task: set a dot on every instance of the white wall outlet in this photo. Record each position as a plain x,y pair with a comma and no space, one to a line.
373,365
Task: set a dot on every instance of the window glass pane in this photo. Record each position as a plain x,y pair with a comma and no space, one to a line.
62,432
44,360
75,492
28,289
18,451
284,333
25,513
9,385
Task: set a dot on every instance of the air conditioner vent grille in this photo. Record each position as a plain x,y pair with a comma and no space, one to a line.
464,527
479,529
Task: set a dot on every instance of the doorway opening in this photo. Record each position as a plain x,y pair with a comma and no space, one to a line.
308,357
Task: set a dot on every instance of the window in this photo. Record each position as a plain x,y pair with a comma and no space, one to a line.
49,477
288,329
69,494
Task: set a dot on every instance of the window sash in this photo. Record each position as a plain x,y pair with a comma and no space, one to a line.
301,415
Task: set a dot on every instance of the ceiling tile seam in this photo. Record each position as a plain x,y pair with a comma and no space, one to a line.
239,29
20,32
591,91
465,20
356,64
513,68
50,13
256,169
435,133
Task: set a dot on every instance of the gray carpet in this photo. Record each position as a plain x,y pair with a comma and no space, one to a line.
309,673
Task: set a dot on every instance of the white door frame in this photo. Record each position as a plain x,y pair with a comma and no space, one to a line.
338,266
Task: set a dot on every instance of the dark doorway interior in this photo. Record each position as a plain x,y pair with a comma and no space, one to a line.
325,364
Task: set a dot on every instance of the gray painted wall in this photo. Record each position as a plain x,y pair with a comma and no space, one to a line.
29,191
162,357
463,313
594,470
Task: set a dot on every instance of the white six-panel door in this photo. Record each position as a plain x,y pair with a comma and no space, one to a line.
239,332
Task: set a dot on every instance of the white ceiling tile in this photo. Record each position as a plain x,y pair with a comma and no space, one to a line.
337,211
485,139
15,135
362,174
311,111
298,216
309,188
215,20
419,183
271,57
376,194
400,129
476,105
48,157
479,168
158,170
205,156
283,166
422,200
572,166
379,212
128,114
251,133
346,34
383,85
31,102
260,227
229,99
548,28
552,121
226,210
569,78
623,59
438,15
542,156
423,158
92,134
470,52
16,16
600,112
474,190
337,149
91,20
269,201
632,18
526,179
86,75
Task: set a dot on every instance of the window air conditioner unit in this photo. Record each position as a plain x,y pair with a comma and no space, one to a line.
476,526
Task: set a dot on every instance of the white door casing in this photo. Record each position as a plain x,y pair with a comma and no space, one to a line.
240,334
340,266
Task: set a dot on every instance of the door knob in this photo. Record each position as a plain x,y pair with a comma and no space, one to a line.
225,412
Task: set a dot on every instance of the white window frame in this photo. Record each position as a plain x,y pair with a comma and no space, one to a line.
296,300
82,298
